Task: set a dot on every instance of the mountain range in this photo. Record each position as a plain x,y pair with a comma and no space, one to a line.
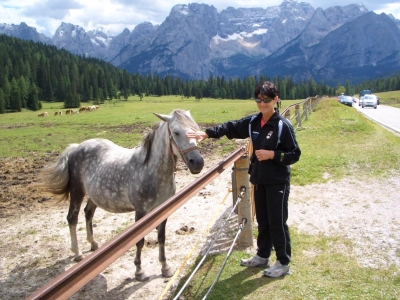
291,39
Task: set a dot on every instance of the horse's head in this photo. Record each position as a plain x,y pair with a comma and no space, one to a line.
179,122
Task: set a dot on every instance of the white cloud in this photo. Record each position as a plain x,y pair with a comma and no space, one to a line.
116,15
391,8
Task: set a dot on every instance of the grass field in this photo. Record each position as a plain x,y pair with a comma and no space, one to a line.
329,140
389,98
339,141
123,122
335,140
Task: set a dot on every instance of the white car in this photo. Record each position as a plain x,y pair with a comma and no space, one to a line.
369,100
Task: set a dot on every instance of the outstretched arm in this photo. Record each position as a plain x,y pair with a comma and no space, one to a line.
198,135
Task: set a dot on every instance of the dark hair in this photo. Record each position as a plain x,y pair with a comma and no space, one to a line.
266,88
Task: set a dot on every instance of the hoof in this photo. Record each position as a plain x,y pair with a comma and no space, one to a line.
94,247
141,276
78,257
167,273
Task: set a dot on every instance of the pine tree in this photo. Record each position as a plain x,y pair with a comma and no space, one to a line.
2,103
33,102
15,97
6,92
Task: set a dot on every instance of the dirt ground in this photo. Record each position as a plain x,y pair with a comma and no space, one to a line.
35,241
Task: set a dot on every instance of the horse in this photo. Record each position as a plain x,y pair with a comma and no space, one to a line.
119,180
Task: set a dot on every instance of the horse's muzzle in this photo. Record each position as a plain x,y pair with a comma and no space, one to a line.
195,162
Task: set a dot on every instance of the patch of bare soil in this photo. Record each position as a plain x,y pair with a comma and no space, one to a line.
35,240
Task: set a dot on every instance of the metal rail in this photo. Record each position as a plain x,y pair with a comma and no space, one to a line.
241,225
69,282
239,199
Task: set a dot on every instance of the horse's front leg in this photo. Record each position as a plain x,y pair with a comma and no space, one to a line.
165,269
90,208
139,274
72,218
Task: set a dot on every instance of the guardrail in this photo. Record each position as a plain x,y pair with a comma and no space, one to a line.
301,111
69,282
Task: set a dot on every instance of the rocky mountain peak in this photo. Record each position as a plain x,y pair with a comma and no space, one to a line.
195,41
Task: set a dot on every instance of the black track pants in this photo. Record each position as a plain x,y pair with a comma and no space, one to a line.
271,203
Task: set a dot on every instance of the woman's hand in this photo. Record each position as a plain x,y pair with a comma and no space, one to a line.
198,135
264,154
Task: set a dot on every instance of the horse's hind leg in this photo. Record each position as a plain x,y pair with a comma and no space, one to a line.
74,207
139,274
165,269
90,208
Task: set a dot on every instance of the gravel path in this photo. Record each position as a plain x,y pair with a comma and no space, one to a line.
34,242
366,212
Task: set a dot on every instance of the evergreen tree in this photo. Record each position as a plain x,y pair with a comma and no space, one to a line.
6,92
2,103
15,97
33,102
188,90
24,90
199,94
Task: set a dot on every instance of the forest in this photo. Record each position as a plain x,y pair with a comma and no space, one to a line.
33,72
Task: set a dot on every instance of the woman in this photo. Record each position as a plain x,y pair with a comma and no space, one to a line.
274,149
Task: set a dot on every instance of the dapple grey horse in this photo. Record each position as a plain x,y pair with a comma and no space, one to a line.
119,180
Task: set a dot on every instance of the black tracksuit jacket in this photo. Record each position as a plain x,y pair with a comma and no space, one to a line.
287,152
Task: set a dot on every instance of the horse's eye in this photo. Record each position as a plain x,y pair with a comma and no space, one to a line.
176,133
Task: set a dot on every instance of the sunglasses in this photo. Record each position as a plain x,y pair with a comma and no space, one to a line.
265,100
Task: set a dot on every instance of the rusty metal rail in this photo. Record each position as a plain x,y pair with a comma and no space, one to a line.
69,282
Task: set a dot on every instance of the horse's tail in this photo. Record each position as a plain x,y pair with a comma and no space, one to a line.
55,177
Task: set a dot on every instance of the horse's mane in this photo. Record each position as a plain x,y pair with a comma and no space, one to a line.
148,140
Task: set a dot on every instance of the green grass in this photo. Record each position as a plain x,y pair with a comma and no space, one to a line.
389,98
339,142
336,142
319,271
123,122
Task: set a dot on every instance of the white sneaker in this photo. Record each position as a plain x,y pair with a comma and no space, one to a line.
255,261
277,270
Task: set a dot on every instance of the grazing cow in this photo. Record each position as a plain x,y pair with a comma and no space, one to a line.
97,106
58,113
90,108
83,108
75,112
68,111
43,114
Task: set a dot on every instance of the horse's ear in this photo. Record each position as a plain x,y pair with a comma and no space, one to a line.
187,112
165,118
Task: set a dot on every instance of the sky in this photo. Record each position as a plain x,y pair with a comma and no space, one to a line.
116,15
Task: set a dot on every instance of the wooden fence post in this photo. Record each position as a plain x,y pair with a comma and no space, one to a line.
305,110
297,114
244,207
287,115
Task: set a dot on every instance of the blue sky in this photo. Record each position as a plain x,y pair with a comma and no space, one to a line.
116,15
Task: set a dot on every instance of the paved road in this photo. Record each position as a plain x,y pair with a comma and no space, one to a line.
385,115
